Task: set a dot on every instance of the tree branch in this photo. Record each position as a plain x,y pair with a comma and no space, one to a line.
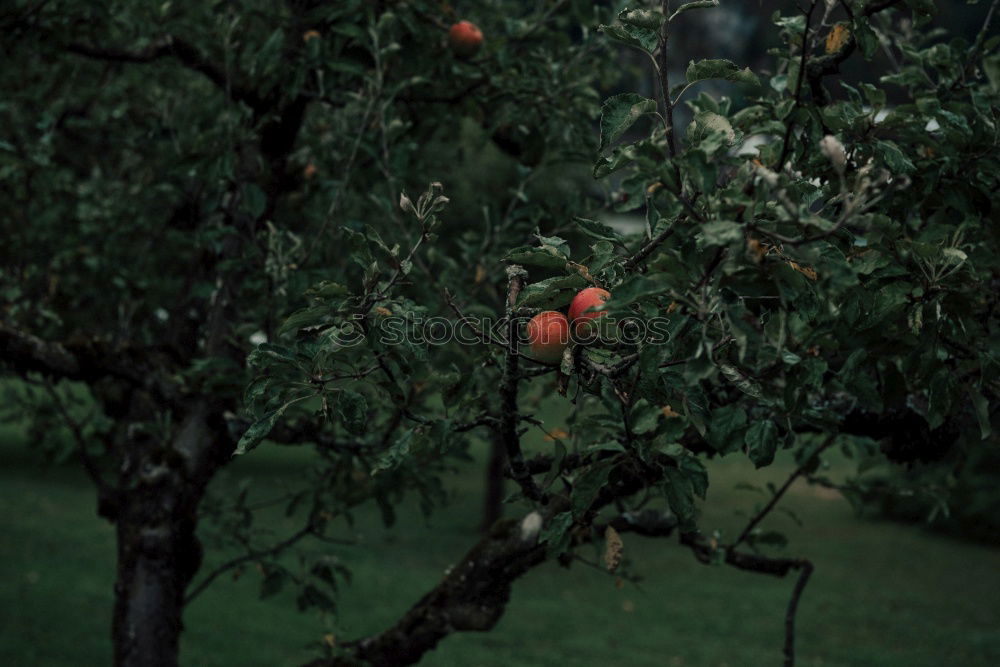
508,392
475,592
472,597
757,518
777,567
82,360
805,571
185,53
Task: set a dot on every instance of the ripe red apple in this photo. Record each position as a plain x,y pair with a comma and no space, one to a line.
579,313
548,335
465,38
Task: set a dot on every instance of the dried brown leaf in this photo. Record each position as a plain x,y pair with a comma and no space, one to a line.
838,36
613,546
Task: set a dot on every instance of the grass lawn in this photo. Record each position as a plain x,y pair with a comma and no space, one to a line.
882,593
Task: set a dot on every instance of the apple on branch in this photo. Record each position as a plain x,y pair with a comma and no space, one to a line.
465,38
587,306
548,336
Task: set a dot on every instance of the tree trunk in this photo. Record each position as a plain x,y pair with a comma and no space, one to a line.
158,551
149,588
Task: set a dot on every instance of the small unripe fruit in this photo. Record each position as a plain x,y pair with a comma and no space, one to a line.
591,297
465,38
548,336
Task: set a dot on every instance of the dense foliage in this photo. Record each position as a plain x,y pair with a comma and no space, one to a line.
328,194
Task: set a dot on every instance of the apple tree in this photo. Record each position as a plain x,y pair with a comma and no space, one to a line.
176,175
815,268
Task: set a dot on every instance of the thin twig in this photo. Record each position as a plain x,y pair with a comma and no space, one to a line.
646,250
89,465
663,70
720,254
757,518
486,336
790,125
258,555
977,47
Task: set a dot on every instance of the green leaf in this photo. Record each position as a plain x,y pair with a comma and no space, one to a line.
268,352
711,131
553,244
679,492
694,470
545,256
641,38
259,429
396,454
866,38
813,370
258,390
598,230
697,4
556,532
618,113
726,422
894,158
762,441
304,318
649,19
326,290
741,380
588,485
644,417
719,232
606,165
727,70
551,293
353,409
696,409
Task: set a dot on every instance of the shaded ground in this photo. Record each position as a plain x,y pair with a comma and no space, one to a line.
883,593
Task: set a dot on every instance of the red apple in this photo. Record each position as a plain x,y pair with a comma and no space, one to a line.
465,38
580,308
548,335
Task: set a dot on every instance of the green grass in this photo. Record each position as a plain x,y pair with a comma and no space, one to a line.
882,594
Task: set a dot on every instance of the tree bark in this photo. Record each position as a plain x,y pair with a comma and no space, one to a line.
158,550
472,597
150,584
